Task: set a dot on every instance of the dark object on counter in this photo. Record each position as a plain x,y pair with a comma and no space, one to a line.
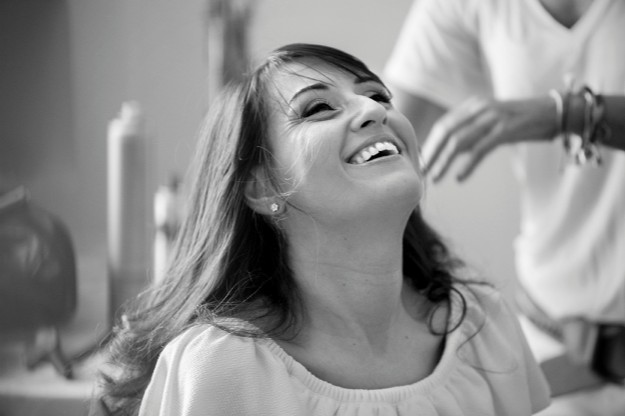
37,277
37,266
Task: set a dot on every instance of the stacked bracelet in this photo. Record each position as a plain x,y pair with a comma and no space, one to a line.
589,149
583,146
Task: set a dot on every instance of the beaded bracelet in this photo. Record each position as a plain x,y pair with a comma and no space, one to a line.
589,150
601,130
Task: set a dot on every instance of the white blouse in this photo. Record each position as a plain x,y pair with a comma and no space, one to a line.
486,369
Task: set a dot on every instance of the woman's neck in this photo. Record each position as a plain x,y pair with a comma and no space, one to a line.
350,280
341,298
363,325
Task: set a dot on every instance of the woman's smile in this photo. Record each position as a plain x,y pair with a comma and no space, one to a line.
378,149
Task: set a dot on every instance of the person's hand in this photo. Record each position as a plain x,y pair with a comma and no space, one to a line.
478,126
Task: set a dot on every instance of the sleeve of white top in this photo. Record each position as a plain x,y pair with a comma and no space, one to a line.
538,387
503,338
208,372
437,54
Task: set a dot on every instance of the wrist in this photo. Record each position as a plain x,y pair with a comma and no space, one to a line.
545,118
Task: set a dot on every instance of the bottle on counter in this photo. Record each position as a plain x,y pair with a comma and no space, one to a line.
127,206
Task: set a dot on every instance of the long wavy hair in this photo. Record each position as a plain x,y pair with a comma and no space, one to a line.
231,262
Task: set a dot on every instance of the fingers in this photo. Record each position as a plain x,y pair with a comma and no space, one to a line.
446,129
440,162
473,134
481,149
478,126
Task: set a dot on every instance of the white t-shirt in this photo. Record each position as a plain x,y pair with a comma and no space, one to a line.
486,369
570,253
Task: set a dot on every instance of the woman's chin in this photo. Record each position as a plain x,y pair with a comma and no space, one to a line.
407,188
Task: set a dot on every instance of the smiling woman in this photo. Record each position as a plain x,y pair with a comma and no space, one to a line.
305,280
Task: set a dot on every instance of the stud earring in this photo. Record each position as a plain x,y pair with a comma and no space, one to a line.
274,207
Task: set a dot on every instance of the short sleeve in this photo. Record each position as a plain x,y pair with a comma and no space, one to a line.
206,371
539,390
501,353
437,54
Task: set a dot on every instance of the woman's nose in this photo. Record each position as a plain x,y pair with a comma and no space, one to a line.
368,112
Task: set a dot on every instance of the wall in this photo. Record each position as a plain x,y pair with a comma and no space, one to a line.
66,66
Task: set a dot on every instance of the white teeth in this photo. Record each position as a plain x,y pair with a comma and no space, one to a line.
365,154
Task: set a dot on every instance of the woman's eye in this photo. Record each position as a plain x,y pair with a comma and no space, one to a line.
381,97
317,108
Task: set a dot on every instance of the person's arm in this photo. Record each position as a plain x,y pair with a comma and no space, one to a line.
478,126
444,135
206,371
615,121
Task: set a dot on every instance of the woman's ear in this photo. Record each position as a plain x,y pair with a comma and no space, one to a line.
260,194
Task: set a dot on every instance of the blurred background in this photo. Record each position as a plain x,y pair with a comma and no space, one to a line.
67,66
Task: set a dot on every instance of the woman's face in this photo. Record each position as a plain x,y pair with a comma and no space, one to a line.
339,145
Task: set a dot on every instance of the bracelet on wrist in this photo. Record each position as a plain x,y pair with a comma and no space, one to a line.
581,143
557,98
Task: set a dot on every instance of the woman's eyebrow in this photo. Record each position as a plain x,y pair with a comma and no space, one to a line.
322,86
311,87
365,78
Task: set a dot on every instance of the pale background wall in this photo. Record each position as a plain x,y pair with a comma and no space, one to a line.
91,55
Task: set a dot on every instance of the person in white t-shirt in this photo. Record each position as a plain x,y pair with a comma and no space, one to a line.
305,280
547,76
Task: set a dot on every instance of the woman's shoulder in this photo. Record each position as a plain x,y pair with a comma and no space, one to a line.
209,370
490,329
205,343
481,297
204,352
200,335
483,310
492,343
